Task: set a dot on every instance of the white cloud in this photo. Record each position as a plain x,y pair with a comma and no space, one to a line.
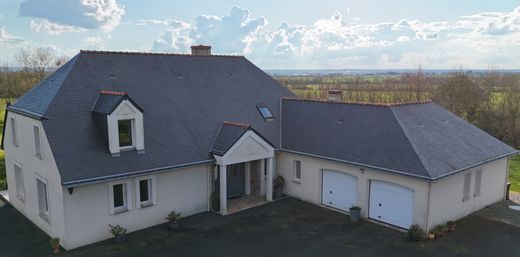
144,22
48,27
94,42
8,39
337,42
88,14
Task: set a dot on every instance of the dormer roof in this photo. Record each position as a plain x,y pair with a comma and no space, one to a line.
108,101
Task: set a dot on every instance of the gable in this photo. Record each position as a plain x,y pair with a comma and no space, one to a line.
250,146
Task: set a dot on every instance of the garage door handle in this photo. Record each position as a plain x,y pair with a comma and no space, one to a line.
330,191
378,217
379,204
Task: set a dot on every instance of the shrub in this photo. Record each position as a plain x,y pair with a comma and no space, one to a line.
279,182
173,216
415,233
117,230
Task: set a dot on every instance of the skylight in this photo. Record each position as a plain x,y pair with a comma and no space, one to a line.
266,113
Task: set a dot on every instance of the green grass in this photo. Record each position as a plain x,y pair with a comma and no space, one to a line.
514,173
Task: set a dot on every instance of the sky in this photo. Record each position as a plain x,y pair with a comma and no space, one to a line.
283,34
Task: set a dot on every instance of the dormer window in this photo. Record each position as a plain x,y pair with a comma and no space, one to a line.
125,133
120,119
265,112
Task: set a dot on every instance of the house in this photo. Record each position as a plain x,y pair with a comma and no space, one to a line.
124,138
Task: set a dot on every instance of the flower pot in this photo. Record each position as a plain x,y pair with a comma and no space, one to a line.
56,249
451,227
431,236
355,214
278,192
120,238
174,224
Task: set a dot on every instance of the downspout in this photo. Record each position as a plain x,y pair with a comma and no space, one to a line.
428,208
5,123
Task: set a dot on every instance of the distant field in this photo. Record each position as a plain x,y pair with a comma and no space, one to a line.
514,173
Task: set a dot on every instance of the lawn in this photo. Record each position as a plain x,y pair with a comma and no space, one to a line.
514,173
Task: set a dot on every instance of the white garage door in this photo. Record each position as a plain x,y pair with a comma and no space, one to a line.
339,190
391,203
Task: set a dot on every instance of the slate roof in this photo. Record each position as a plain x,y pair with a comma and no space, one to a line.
422,140
185,99
108,101
228,134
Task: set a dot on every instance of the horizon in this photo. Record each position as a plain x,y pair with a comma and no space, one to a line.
339,35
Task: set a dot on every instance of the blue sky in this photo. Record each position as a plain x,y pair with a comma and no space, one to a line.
474,34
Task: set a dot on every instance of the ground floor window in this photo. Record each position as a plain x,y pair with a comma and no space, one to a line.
145,191
43,202
118,197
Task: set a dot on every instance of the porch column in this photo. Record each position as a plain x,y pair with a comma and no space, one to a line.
262,177
223,189
269,182
247,176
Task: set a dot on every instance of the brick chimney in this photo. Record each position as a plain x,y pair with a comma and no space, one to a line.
201,50
334,95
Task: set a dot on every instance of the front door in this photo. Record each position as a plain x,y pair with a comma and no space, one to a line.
236,180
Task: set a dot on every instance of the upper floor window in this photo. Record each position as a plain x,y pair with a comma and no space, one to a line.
13,132
125,133
37,142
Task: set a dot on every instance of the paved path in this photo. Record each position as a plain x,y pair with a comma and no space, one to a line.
515,197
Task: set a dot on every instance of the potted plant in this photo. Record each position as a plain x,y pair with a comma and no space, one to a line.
355,213
55,243
278,184
415,233
431,235
440,230
118,232
451,225
172,218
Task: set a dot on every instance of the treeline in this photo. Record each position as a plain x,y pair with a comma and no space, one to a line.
491,101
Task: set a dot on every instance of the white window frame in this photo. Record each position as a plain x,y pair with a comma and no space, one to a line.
38,143
132,130
19,181
466,187
126,197
478,183
151,192
14,132
46,214
297,163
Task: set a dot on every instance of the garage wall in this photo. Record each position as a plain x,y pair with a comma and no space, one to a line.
446,194
87,210
309,188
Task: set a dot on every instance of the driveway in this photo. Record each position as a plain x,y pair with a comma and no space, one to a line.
284,228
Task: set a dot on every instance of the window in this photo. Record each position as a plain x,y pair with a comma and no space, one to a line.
265,112
18,177
43,203
125,133
37,142
13,132
119,198
467,181
145,188
297,171
478,183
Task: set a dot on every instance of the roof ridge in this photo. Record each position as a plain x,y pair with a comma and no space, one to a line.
157,53
356,103
410,142
108,92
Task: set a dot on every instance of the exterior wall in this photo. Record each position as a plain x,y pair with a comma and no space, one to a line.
446,194
87,210
310,187
32,167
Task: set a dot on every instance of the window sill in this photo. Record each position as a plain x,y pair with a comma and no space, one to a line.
144,205
21,198
297,181
126,148
45,217
465,199
117,211
476,194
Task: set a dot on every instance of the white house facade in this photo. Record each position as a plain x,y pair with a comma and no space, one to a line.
125,138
